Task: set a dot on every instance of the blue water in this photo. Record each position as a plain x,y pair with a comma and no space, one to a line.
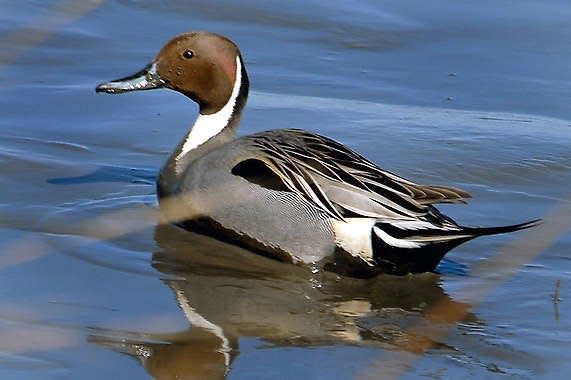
468,95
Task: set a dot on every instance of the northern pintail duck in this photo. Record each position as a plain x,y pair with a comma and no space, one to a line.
288,193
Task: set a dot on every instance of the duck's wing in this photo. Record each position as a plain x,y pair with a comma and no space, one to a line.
335,178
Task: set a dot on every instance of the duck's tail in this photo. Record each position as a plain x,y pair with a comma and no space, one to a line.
483,231
401,247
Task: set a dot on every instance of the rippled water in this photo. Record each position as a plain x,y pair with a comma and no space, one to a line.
469,95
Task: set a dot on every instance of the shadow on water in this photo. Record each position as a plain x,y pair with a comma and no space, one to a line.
227,293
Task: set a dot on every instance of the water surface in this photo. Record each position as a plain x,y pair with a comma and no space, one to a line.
468,95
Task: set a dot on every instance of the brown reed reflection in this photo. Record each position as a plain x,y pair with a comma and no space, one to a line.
43,27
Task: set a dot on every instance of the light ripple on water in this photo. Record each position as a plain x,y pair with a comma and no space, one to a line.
484,122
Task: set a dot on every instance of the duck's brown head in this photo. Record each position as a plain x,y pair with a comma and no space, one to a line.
204,66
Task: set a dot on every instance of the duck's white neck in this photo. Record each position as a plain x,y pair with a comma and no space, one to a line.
207,126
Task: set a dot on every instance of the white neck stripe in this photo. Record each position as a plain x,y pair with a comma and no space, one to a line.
207,126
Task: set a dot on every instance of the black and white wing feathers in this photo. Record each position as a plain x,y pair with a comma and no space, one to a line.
338,180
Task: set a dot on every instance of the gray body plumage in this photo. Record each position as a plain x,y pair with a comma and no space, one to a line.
279,222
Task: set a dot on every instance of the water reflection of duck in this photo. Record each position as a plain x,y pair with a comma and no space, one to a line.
227,293
288,193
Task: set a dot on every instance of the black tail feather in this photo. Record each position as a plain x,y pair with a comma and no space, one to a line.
483,231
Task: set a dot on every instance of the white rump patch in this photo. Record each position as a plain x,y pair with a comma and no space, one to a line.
354,236
394,242
207,126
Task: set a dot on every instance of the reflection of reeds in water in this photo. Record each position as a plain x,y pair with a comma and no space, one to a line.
60,15
556,298
34,337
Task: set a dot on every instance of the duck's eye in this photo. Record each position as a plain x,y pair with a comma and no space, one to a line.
188,54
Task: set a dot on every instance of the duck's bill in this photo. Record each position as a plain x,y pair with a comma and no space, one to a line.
146,79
